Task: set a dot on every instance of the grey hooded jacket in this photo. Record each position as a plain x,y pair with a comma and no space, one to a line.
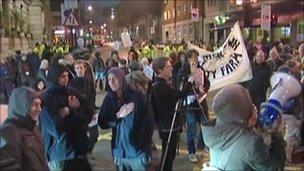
20,135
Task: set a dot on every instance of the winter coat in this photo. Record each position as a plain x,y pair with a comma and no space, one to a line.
42,74
87,94
129,134
64,138
249,153
34,62
98,65
260,82
163,99
21,143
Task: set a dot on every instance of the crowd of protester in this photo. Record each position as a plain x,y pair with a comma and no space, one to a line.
56,126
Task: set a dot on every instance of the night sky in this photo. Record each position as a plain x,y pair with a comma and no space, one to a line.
103,3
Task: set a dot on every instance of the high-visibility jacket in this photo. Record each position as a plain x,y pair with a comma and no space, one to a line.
149,52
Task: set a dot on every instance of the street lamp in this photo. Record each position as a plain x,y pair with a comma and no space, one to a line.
90,7
112,16
239,2
90,22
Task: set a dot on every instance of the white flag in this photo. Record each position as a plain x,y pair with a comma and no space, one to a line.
229,64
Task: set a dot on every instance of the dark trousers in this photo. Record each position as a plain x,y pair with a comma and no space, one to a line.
77,164
171,149
93,137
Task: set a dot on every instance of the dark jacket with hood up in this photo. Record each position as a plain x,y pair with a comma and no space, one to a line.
129,134
64,138
21,142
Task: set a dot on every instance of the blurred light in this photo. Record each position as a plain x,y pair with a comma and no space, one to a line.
90,8
101,27
59,32
112,16
81,32
73,31
239,2
254,1
104,30
90,21
104,24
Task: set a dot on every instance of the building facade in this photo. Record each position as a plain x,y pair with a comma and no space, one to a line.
221,15
177,23
216,17
23,23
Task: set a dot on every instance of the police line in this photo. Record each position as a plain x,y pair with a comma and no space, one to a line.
227,65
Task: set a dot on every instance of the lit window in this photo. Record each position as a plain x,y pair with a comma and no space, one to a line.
173,13
165,15
169,14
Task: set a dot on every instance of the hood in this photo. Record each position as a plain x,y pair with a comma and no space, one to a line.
120,75
223,136
54,72
232,104
20,101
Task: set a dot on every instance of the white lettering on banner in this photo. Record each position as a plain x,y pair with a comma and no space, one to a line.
228,64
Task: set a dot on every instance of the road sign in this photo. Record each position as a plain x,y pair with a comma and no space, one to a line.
265,17
71,20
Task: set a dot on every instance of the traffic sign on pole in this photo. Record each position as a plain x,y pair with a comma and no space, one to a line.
265,17
71,20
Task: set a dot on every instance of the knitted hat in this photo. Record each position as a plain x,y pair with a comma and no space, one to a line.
232,104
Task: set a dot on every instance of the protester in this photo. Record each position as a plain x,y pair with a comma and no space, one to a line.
274,59
99,70
258,85
23,146
86,90
139,82
233,142
164,98
195,100
124,110
43,70
63,124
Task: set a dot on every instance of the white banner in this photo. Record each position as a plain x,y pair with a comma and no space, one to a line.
265,17
229,64
126,40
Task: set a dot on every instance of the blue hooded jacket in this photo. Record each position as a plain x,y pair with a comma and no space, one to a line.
129,134
64,138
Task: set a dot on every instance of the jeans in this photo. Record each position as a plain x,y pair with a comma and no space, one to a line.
124,164
191,120
81,164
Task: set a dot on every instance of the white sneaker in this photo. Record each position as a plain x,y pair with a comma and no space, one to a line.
192,158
